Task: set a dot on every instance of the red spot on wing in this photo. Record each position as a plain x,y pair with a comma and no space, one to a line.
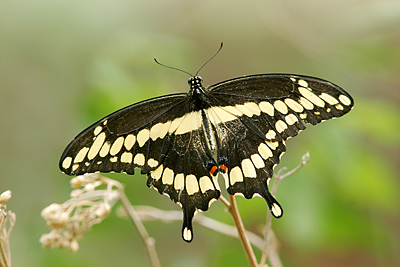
223,168
213,170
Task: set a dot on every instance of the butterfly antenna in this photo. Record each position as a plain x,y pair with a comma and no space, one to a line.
169,67
219,49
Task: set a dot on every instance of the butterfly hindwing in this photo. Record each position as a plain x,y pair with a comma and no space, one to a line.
184,174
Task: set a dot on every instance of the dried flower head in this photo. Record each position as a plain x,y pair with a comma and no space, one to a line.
5,196
88,205
7,221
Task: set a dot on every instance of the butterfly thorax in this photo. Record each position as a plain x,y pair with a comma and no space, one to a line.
200,102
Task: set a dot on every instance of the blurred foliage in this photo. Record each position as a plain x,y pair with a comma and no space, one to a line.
66,64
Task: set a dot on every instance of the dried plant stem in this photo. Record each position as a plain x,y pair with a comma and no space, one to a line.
267,235
148,241
7,222
148,213
5,259
280,176
270,241
233,210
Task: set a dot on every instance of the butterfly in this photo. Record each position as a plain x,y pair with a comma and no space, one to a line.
182,142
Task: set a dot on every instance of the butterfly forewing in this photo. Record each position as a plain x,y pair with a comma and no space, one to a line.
120,141
311,99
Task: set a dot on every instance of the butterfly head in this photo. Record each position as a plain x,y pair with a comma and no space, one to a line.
195,82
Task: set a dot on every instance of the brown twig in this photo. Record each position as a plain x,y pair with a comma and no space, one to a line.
233,210
148,241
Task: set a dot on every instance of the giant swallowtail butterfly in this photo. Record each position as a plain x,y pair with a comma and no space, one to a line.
236,128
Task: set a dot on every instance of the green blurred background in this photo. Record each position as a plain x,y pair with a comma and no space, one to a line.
66,64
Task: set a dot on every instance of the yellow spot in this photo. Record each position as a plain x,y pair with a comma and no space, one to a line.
81,155
233,110
97,130
168,176
159,130
220,115
104,150
126,157
329,99
67,162
114,159
244,110
205,184
294,105
339,107
264,151
266,107
305,103
248,169
345,100
272,145
276,210
97,144
142,137
291,119
156,174
175,124
152,163
253,107
303,83
280,126
190,122
312,97
192,186
303,116
139,159
75,167
270,135
215,181
130,140
116,146
179,182
257,161
280,106
235,175
187,234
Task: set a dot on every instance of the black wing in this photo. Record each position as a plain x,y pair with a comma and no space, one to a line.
254,115
122,140
164,138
